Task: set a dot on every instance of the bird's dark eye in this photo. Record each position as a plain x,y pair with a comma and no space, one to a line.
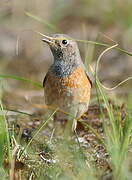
64,42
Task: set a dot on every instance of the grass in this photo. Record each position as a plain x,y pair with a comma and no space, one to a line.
4,141
64,158
68,160
118,139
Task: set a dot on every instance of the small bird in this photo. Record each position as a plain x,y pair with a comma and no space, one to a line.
67,85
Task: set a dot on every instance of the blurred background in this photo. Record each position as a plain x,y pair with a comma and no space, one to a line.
22,52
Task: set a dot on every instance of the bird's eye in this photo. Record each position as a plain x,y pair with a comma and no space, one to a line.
64,42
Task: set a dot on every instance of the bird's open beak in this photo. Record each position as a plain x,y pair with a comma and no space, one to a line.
48,39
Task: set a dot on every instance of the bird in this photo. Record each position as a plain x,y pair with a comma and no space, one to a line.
67,84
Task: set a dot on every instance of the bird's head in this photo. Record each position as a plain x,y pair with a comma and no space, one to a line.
63,47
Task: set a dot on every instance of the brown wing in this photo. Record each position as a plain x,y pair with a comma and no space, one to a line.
45,78
89,74
90,77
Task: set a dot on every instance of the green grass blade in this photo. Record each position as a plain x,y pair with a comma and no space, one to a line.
37,132
104,45
39,19
37,84
4,135
17,111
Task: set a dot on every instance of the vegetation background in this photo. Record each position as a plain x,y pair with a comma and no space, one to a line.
24,55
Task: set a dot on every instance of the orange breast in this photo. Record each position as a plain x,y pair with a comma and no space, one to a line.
77,85
77,79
